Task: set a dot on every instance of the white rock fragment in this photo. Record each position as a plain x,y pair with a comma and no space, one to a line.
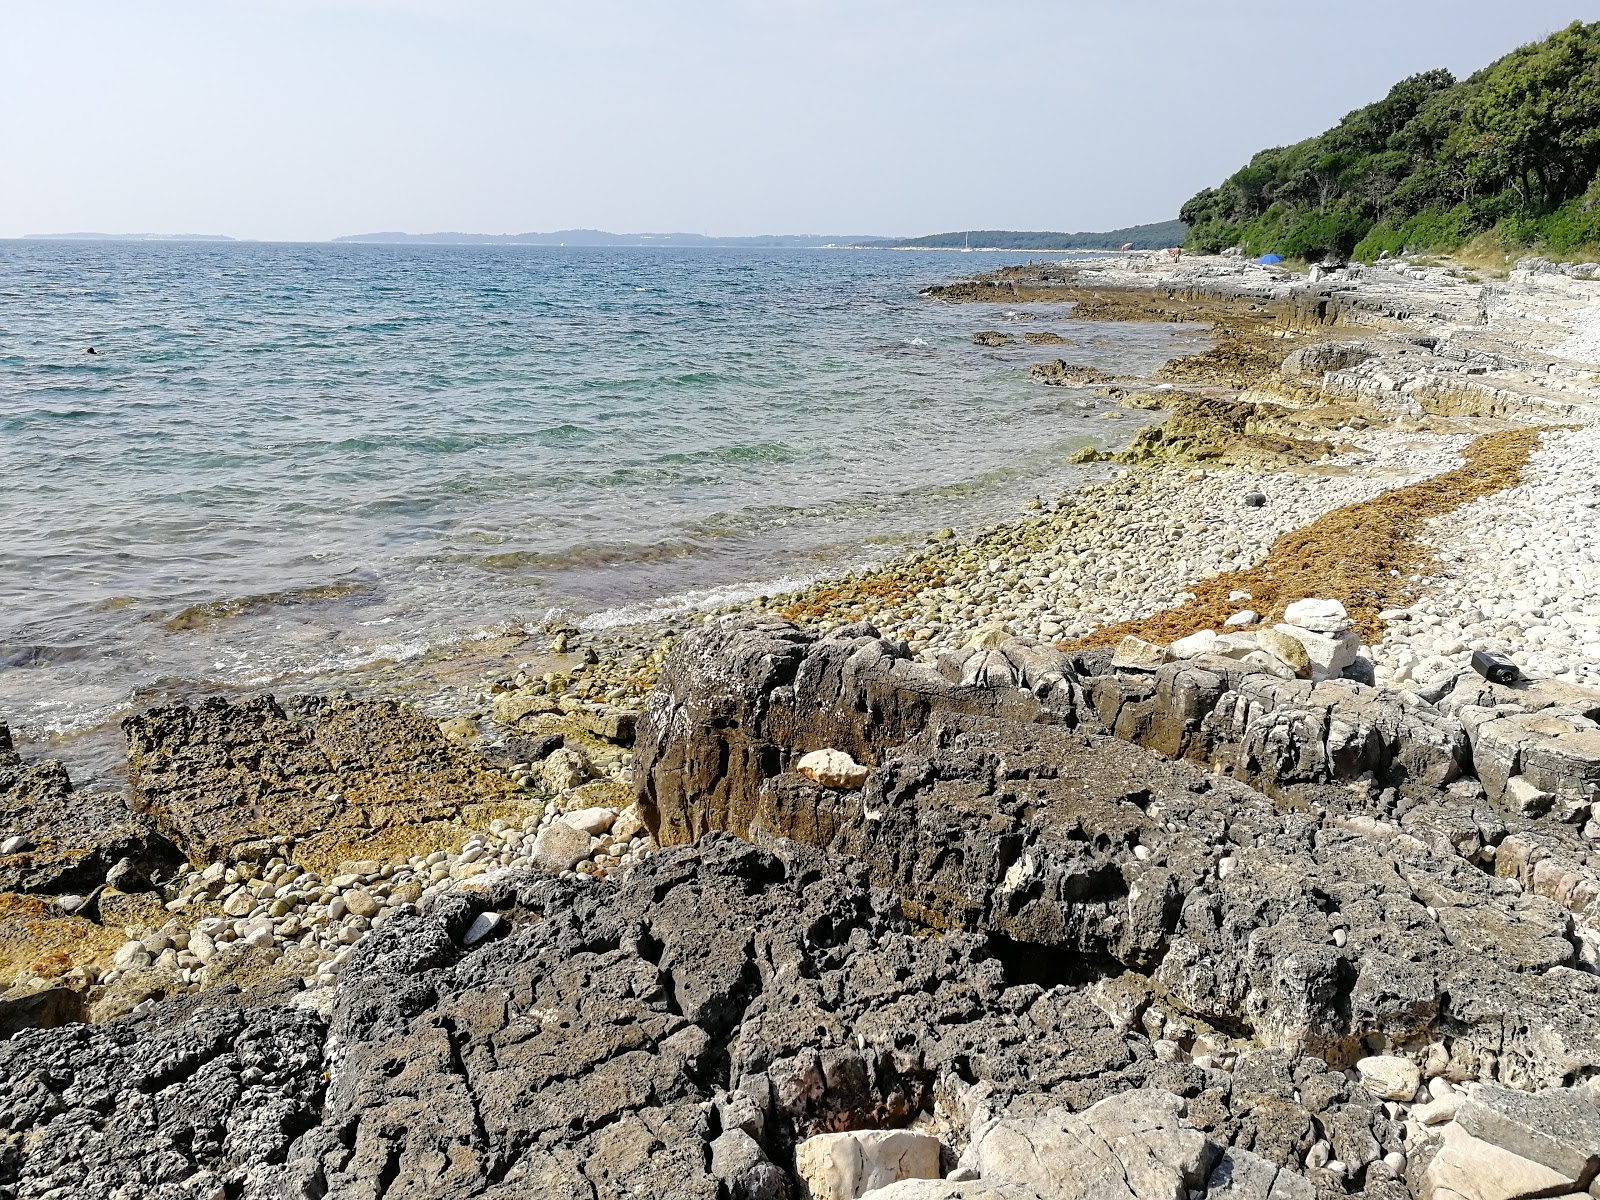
1196,644
844,1166
1319,616
1136,654
482,926
1389,1077
832,768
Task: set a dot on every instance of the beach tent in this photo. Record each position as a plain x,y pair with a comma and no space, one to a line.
1266,260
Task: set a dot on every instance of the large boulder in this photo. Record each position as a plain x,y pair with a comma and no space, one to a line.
746,698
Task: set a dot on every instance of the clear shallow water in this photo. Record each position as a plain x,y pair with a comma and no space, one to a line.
287,461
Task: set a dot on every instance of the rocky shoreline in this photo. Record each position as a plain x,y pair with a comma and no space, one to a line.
1119,879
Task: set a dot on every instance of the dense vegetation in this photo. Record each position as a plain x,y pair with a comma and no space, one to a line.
1143,237
1512,151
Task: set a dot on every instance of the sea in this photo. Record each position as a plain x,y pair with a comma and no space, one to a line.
287,464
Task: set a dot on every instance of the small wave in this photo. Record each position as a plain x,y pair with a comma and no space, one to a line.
596,555
697,600
203,616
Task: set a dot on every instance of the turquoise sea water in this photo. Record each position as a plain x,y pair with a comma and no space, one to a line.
287,461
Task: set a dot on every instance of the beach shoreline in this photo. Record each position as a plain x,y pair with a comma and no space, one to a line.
1034,739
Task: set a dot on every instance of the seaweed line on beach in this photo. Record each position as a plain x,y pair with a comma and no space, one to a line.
1363,554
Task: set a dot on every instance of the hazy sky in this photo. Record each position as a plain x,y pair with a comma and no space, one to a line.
312,118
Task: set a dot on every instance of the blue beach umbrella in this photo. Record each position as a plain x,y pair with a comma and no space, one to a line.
1266,260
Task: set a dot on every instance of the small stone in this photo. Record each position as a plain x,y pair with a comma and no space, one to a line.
593,821
482,926
1528,799
1320,616
460,729
361,902
1239,619
565,768
833,768
15,844
1136,654
1389,1077
240,904
1255,500
988,637
1286,649
560,846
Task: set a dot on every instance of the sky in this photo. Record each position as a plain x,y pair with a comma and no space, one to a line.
307,119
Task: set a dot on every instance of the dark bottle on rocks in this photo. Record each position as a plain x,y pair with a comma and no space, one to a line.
1494,668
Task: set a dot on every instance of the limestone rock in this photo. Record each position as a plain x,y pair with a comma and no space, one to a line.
560,846
629,824
1390,1077
1468,1168
613,724
1132,1146
1319,616
951,1189
1196,644
1241,1175
462,730
1315,361
563,769
759,693
988,637
333,773
66,840
1556,1127
844,1166
1328,653
832,768
1136,654
1287,649
509,708
1244,617
593,821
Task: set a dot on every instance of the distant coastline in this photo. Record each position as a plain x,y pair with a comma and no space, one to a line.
1134,237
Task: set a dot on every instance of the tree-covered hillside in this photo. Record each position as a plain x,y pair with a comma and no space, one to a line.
1142,237
1514,149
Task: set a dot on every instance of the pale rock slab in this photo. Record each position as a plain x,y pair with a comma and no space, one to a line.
1390,1077
1241,1175
1468,1168
1131,1146
1136,654
845,1166
1196,644
950,1189
1555,1127
1287,649
833,768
